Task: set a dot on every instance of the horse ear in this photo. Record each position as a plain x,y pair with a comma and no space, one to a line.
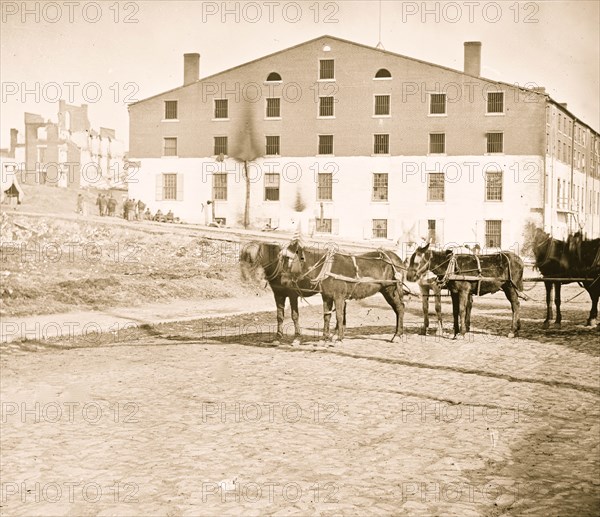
425,248
448,252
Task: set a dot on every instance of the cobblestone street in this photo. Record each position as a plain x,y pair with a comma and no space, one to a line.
170,424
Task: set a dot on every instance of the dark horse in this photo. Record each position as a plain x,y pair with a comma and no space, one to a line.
552,261
575,258
268,258
467,274
584,262
340,277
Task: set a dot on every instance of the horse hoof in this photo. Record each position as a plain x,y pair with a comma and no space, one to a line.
591,323
276,342
296,342
423,331
511,335
395,339
557,325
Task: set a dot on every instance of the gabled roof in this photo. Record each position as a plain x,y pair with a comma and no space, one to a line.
374,49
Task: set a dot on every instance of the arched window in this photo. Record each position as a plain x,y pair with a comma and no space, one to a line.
274,76
383,73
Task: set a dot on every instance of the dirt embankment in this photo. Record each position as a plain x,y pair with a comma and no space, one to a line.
51,265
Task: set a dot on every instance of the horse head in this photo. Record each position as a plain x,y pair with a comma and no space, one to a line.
419,263
293,260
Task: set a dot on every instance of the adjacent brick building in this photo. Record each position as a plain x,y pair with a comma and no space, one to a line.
368,144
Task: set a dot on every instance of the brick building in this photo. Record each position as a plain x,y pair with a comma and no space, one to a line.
69,152
368,144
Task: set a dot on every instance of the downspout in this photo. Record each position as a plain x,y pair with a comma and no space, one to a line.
572,176
546,150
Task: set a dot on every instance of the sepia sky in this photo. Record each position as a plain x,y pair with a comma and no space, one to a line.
118,52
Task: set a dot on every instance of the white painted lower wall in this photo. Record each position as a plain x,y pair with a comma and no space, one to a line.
460,218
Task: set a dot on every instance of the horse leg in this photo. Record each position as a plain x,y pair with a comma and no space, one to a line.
455,312
280,303
437,291
515,305
463,300
425,302
468,311
394,298
295,319
593,318
548,286
327,310
557,288
340,310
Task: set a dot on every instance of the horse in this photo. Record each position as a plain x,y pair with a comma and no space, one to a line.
467,274
267,257
552,261
583,257
576,258
342,276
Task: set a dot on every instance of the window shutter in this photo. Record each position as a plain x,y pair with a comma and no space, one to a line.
180,187
335,226
439,231
391,229
159,187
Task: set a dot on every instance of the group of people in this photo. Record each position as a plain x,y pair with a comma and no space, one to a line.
133,210
107,205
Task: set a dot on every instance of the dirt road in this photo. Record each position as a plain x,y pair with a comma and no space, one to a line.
210,418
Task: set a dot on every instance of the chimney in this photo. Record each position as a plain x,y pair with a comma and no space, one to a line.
473,58
191,68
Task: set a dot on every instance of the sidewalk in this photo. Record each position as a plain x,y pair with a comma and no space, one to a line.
122,318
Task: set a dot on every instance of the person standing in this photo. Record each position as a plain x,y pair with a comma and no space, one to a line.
98,204
112,205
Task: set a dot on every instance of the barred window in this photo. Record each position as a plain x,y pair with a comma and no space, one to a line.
220,145
325,144
219,185
495,102
435,186
493,186
170,147
325,106
273,107
325,186
493,234
495,142
170,110
221,108
326,69
169,186
437,143
382,104
380,228
381,144
431,231
272,145
271,186
380,187
323,225
437,104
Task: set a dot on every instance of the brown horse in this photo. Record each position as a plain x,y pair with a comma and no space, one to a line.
467,274
267,257
340,277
